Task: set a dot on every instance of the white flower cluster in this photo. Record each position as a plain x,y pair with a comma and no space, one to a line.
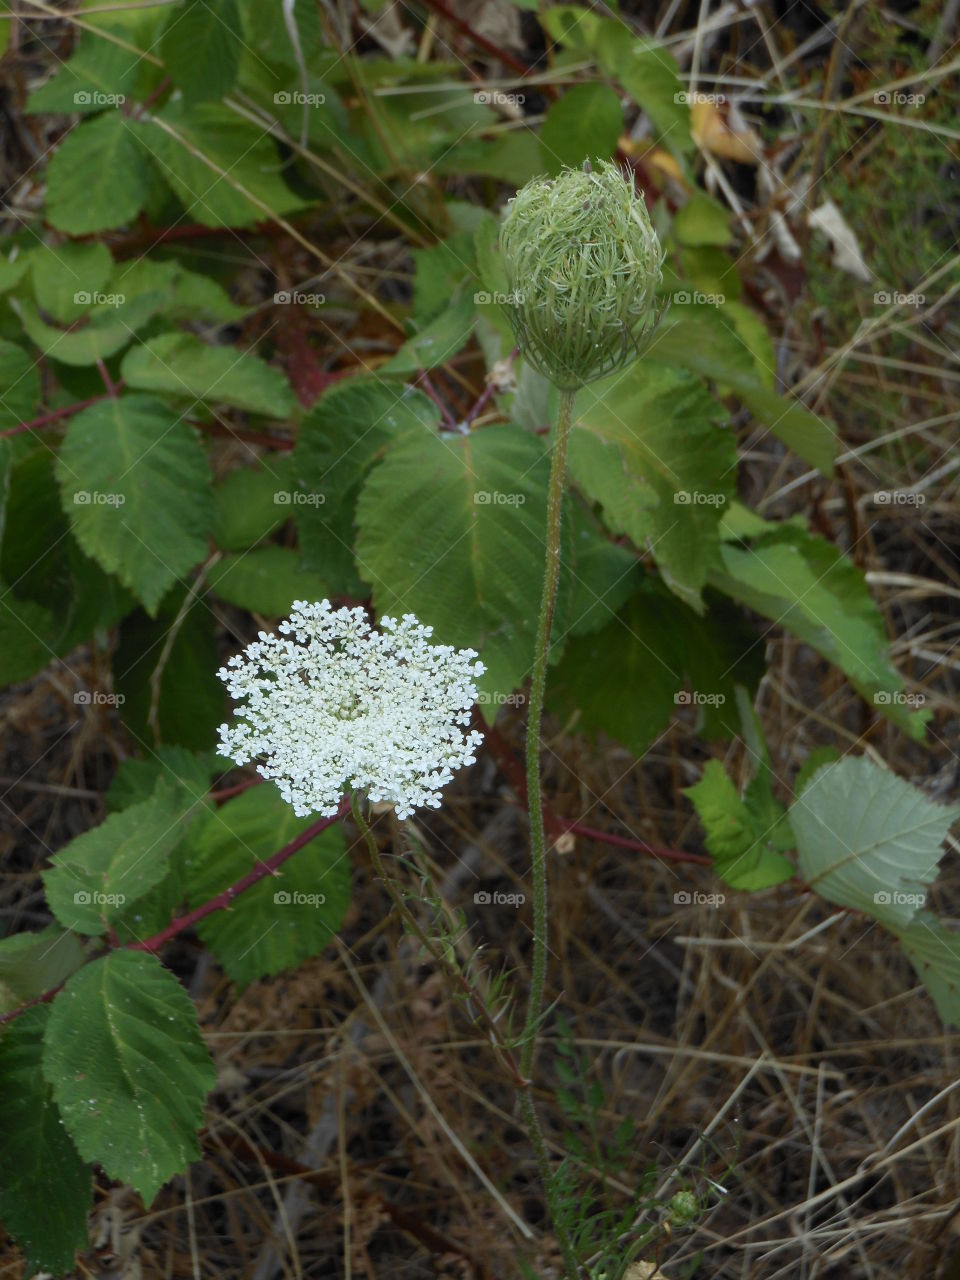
338,707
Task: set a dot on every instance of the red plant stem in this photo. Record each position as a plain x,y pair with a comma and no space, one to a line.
484,400
56,414
31,1004
113,390
230,894
424,381
512,770
227,793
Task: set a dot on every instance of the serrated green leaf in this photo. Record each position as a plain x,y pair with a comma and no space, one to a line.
266,581
739,837
585,124
182,365
19,385
483,498
32,963
200,46
817,758
98,178
338,442
869,840
645,445
512,157
136,780
135,483
804,584
100,72
700,340
107,327
100,873
129,1069
210,157
66,277
934,952
262,933
47,1190
434,343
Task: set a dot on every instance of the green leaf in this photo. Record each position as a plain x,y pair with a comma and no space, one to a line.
702,342
627,679
135,483
108,326
65,278
129,1069
191,700
338,442
645,445
585,124
210,157
934,952
434,343
512,157
47,1190
739,841
136,780
100,72
32,963
602,576
482,497
104,870
19,385
266,581
651,77
182,365
98,178
279,922
867,839
201,47
804,584
702,221
817,758
250,503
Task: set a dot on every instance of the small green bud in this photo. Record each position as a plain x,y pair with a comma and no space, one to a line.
683,1208
583,264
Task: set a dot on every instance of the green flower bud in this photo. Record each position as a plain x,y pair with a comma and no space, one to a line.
683,1208
583,264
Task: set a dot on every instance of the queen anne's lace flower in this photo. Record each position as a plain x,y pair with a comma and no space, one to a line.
338,707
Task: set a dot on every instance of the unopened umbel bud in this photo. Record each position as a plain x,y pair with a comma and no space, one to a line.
583,265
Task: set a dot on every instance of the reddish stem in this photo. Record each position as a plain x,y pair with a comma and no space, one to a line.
488,392
55,415
513,771
480,41
228,896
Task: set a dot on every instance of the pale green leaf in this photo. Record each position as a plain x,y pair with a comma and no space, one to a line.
741,842
869,840
66,278
129,1069
702,221
934,952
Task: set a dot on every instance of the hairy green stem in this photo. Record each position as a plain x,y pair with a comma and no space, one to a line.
538,681
538,850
